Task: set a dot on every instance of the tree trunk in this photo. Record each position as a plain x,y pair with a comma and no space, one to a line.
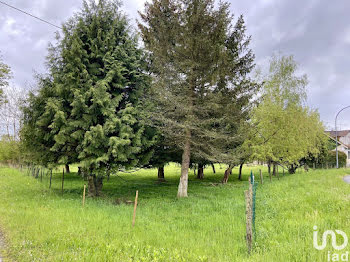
269,168
85,174
183,184
240,171
99,185
227,174
67,168
108,173
94,185
274,170
161,174
200,174
292,169
212,165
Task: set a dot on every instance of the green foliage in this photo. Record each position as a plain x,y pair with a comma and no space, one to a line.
37,138
322,158
10,152
282,85
5,75
331,159
201,62
286,131
164,153
91,111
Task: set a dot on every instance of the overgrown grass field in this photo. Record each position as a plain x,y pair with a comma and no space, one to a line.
42,224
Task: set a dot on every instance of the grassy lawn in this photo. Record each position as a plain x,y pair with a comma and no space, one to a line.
43,225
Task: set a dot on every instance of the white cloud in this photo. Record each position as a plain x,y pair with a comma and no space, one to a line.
9,27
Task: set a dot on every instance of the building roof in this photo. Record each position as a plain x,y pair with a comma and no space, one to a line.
340,143
340,133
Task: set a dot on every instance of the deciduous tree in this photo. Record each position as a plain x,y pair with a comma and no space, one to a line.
287,130
5,75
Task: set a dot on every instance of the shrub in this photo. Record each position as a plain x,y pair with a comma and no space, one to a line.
9,151
330,160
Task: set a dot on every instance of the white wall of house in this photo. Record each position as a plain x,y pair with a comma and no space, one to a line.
345,139
343,148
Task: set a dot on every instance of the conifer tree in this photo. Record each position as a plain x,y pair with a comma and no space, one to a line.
94,114
200,62
163,153
37,138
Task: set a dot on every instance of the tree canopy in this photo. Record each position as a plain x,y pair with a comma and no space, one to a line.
5,76
91,111
200,63
286,129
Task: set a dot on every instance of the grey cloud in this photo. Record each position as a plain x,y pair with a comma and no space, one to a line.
316,32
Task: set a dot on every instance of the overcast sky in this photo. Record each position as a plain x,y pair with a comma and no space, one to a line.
317,33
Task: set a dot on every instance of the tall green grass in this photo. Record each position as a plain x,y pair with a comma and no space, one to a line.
41,224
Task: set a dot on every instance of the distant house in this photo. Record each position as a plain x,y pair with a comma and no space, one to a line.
343,142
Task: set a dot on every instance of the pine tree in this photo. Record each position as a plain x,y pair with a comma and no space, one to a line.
200,63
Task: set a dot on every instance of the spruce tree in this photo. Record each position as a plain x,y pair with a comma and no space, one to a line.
200,63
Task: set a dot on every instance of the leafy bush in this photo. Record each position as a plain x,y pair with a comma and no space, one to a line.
9,151
331,159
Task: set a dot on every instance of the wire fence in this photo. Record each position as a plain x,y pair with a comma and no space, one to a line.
255,184
72,183
250,198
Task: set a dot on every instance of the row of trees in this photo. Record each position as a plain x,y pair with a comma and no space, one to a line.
188,96
287,130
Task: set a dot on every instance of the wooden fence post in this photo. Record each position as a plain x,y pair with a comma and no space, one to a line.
50,178
249,229
62,179
261,177
84,195
135,205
